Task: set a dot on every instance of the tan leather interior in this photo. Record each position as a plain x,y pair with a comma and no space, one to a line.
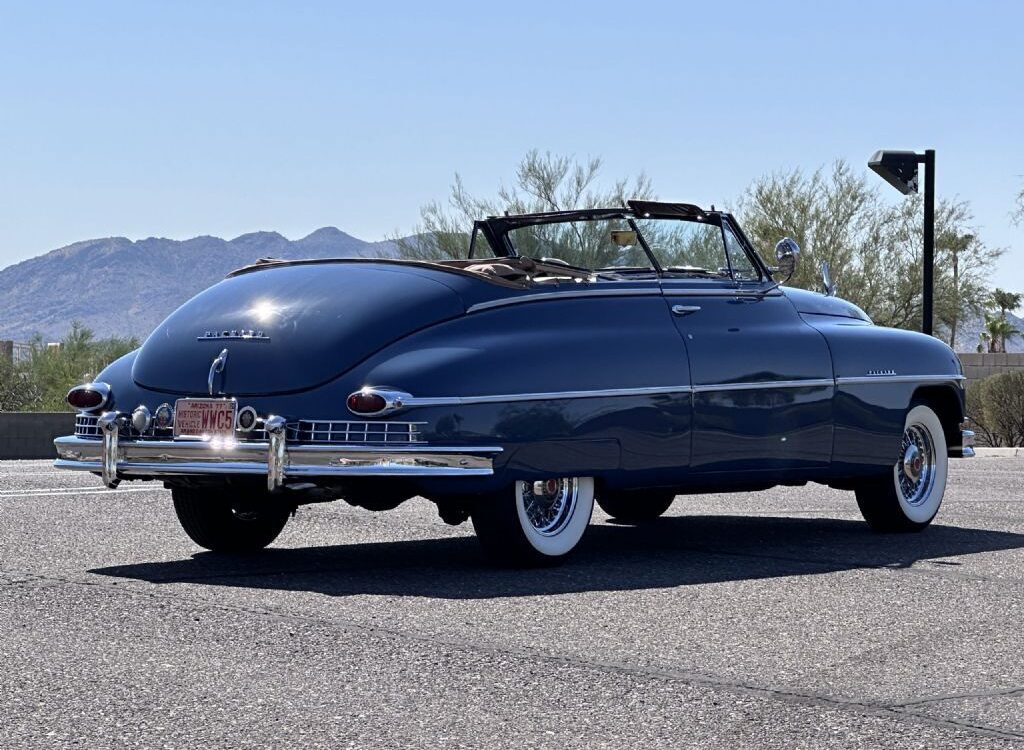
514,269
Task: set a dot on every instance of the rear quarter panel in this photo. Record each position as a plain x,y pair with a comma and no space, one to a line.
551,347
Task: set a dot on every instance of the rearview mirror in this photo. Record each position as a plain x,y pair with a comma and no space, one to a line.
786,253
624,237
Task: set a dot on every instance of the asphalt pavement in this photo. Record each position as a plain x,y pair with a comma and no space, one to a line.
761,620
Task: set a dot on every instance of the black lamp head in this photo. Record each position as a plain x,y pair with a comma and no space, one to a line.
898,168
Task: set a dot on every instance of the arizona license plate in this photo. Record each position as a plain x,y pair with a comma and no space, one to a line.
204,418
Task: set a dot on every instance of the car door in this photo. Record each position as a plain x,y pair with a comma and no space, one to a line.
762,378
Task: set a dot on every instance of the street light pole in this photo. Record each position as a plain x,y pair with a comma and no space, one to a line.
899,169
928,278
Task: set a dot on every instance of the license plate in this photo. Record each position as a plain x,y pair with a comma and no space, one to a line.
204,418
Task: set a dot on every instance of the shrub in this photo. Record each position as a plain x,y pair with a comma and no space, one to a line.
1002,407
975,408
41,382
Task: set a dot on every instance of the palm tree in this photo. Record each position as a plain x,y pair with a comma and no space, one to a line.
998,327
997,331
1005,301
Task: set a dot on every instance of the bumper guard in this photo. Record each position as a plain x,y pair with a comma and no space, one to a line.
115,458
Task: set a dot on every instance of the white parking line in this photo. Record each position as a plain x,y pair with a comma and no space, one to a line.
74,491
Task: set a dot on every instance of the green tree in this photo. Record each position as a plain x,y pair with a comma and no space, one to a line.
1005,301
16,391
998,330
1003,406
543,182
51,371
874,249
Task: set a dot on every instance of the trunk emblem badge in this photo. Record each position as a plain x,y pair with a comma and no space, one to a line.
240,334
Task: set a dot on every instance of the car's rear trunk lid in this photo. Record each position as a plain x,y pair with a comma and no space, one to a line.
290,328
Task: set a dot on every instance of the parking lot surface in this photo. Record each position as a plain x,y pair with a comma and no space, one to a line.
769,620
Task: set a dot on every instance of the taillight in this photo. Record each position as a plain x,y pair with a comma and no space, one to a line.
366,403
374,402
89,396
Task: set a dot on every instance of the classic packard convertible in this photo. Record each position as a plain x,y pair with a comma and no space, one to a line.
621,356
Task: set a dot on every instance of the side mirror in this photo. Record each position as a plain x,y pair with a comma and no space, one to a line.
786,253
826,280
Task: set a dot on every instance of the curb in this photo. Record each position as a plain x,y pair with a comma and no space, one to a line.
999,452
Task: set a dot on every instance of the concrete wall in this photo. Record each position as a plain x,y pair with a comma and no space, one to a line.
978,366
31,434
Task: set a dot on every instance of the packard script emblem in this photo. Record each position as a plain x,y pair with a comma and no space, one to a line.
243,334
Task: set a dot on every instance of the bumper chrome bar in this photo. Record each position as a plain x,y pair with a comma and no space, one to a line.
966,447
115,459
967,443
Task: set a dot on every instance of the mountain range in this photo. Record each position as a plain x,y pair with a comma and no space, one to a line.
119,287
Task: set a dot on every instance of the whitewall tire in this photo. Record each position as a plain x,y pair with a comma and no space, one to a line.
908,498
534,523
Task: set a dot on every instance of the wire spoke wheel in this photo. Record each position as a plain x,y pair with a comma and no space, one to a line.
534,523
915,469
909,496
549,504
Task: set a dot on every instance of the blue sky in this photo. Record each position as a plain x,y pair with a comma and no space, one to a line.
179,119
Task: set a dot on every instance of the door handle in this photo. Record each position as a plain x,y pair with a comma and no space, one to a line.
684,309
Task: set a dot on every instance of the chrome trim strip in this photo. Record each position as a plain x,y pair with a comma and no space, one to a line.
858,379
753,293
667,291
617,392
766,385
186,458
547,296
551,396
414,401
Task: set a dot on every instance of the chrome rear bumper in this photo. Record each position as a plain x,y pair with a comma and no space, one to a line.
115,458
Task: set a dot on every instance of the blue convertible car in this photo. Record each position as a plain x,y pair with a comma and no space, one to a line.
621,356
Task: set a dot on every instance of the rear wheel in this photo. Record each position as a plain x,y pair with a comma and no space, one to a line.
214,519
534,523
635,506
908,497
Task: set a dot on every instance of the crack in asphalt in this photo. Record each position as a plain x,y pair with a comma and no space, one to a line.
789,695
1001,693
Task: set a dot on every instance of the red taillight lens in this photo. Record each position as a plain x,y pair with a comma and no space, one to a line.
366,403
90,396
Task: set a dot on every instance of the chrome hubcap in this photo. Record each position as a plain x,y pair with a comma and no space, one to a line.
549,504
916,468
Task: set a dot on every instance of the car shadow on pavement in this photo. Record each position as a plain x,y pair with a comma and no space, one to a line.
669,552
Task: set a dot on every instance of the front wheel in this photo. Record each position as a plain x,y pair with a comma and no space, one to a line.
534,523
908,498
220,523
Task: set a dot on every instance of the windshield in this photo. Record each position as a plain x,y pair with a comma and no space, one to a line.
696,248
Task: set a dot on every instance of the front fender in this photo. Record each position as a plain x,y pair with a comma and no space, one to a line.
879,373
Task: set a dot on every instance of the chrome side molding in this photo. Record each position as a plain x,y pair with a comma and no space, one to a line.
409,401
